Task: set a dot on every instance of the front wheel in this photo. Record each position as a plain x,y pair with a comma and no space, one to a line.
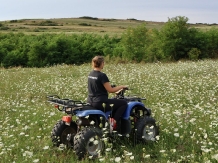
63,134
146,129
88,142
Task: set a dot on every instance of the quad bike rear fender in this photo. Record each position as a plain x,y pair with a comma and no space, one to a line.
85,113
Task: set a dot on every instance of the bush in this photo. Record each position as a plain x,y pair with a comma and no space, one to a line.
4,28
13,21
48,23
194,54
88,17
85,24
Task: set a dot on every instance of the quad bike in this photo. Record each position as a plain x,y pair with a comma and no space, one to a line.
84,127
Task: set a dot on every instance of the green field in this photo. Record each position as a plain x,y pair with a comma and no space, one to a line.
183,97
80,25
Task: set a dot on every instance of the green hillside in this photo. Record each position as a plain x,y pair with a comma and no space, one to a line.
81,25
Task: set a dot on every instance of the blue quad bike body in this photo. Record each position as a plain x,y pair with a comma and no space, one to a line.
84,125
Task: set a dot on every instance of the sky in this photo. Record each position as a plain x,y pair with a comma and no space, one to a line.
197,11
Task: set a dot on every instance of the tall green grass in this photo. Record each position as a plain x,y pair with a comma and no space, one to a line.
183,97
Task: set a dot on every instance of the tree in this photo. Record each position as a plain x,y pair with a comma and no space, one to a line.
38,52
173,39
212,42
134,42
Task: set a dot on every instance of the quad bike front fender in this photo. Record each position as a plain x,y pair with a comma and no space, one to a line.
132,105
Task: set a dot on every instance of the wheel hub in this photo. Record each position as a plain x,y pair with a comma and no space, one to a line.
94,146
149,132
67,135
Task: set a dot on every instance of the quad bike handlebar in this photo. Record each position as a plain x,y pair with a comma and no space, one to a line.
121,95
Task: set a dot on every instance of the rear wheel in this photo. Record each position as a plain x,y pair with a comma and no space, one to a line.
88,142
146,129
63,134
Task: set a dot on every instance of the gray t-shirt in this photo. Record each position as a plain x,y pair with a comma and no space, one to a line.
96,89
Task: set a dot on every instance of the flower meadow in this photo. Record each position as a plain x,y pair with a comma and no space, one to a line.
183,97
